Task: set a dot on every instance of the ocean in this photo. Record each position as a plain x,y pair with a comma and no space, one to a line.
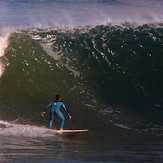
104,57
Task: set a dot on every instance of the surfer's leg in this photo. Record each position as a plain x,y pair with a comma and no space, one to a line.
63,120
51,119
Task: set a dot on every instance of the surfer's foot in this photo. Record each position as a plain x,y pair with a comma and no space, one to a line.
61,129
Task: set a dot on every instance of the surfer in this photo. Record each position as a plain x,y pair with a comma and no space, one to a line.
55,110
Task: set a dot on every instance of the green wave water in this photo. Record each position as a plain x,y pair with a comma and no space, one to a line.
100,69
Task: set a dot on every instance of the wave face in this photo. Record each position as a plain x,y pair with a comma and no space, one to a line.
104,67
111,67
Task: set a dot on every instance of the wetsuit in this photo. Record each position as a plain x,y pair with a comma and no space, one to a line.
55,110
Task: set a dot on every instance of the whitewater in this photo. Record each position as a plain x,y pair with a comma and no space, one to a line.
104,57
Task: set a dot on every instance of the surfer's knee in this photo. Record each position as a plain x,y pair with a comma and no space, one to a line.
63,119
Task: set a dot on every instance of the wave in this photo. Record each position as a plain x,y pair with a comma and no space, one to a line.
100,62
18,15
112,70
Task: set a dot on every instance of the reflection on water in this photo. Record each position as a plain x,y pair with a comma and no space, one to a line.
56,147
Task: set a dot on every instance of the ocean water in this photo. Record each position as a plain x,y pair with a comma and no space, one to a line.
104,57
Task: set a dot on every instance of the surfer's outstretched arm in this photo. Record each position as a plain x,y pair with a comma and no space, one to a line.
45,109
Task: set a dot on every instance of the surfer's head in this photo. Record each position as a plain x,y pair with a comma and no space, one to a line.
58,97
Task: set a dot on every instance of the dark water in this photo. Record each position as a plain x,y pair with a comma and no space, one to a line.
104,58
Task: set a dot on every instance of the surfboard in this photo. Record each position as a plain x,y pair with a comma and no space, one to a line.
71,131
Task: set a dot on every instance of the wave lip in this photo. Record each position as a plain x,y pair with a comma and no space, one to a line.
78,13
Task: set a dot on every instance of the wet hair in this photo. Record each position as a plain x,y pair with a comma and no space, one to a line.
57,97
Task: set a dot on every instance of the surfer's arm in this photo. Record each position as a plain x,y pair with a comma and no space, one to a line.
45,109
66,110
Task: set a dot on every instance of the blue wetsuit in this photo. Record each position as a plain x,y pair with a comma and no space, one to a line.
55,110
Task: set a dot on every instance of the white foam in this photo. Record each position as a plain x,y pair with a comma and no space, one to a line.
122,126
3,42
84,13
3,45
18,130
1,69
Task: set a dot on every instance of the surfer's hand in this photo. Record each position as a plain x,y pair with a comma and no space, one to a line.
70,117
43,114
